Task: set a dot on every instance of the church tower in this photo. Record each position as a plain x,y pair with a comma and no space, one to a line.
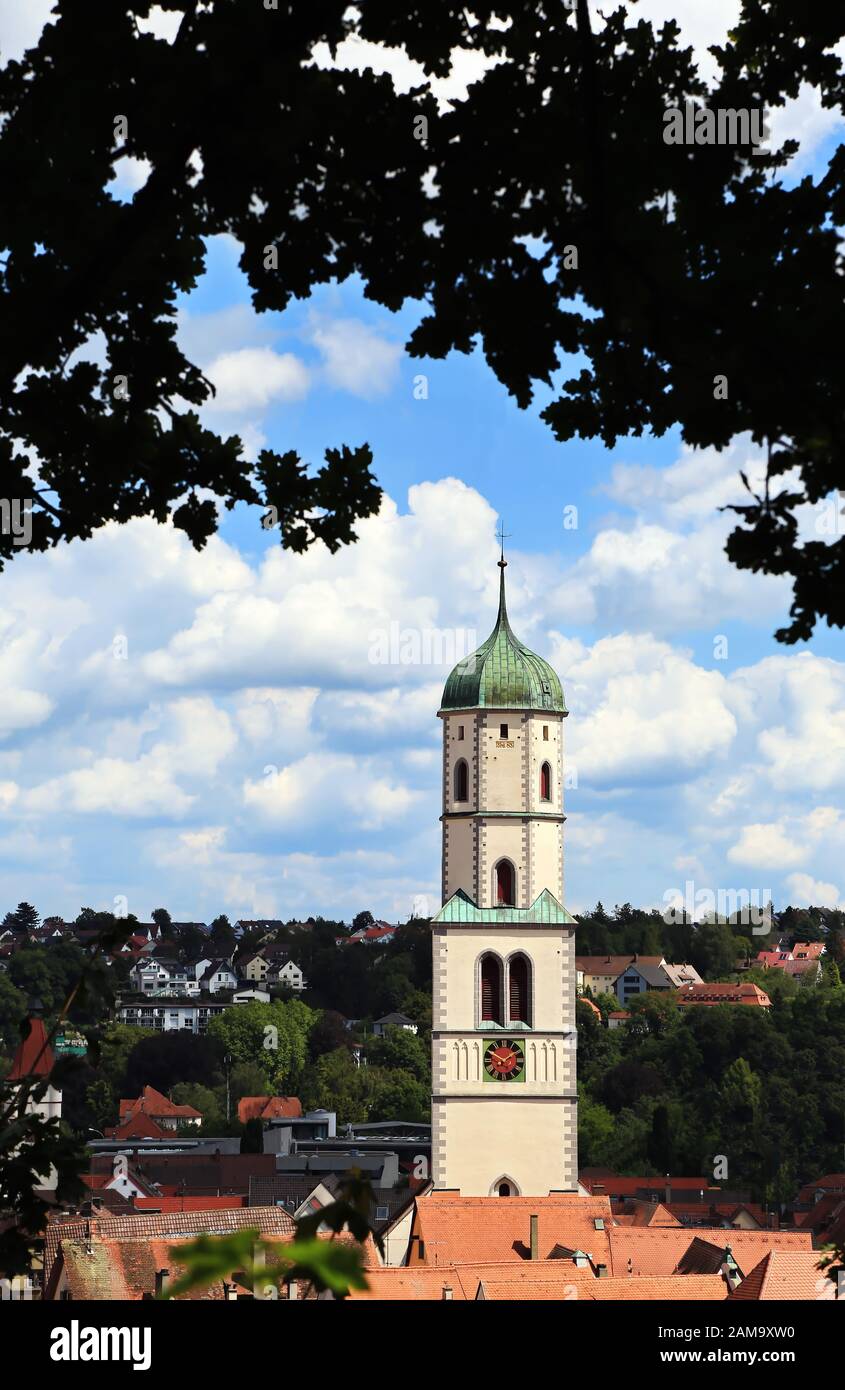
504,1103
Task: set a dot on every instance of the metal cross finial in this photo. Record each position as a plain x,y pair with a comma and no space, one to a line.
502,535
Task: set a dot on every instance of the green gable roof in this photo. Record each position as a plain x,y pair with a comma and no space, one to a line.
503,673
545,911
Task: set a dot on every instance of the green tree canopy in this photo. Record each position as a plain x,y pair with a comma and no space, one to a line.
652,284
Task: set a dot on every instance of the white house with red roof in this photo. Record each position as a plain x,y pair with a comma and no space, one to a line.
151,1116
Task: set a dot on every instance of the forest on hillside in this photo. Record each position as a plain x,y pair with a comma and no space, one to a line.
758,1094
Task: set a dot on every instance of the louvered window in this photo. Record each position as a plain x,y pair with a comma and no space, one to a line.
491,990
518,990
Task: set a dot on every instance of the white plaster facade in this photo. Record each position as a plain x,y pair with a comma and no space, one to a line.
519,1131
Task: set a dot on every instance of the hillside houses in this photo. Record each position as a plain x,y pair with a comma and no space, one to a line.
627,976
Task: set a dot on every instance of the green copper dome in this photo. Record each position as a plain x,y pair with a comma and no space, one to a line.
503,673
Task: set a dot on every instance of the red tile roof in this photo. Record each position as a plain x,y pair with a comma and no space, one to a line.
146,1226
171,1204
137,1126
809,949
33,1055
787,1274
693,1289
458,1230
828,1182
612,965
645,1251
724,994
822,1213
269,1108
651,1214
416,1285
152,1102
599,1182
124,1268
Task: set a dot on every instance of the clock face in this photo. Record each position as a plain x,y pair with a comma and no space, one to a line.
504,1060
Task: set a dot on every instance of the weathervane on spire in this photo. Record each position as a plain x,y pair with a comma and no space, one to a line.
502,535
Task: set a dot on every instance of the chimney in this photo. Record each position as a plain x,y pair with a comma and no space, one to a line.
162,1277
730,1269
535,1237
601,1271
668,1190
447,1291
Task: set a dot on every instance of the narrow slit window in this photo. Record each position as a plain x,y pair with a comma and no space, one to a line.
461,781
504,884
546,782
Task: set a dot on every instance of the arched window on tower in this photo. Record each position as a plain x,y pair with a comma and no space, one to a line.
546,782
519,990
491,991
461,780
505,886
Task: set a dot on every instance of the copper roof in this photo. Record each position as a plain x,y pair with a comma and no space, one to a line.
503,673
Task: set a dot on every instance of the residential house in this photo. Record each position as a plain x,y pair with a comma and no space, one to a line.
638,977
269,1108
680,975
379,934
269,926
157,1107
254,968
129,1257
808,950
394,1020
600,974
705,994
219,975
172,1015
286,973
626,976
804,958
154,975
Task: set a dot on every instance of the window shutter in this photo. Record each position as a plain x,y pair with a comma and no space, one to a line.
519,991
491,990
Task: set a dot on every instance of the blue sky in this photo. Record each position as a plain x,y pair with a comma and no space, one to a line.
211,732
